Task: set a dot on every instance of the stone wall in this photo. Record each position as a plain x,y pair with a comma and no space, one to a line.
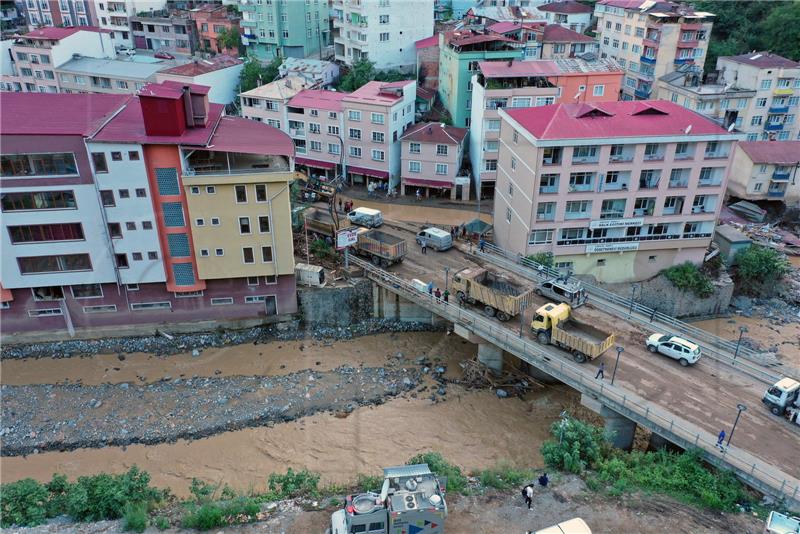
336,306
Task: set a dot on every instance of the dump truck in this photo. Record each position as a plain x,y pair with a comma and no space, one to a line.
381,248
411,500
554,324
499,296
320,223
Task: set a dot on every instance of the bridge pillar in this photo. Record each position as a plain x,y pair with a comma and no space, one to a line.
491,356
619,429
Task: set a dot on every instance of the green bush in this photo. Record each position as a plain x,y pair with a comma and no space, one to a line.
214,515
322,250
687,277
578,446
201,490
24,503
369,482
58,488
503,477
135,518
303,483
544,258
161,522
206,517
456,481
761,265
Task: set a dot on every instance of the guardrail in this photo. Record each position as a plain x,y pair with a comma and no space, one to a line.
754,472
717,348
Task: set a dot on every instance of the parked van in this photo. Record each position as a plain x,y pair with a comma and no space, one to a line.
366,217
435,238
560,290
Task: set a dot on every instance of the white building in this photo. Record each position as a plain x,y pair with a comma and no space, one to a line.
569,14
382,31
314,71
114,15
220,73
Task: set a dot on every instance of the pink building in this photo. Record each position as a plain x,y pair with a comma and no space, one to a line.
432,155
316,116
617,190
559,42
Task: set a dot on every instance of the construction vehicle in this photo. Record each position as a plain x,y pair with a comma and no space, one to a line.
778,523
411,500
499,296
782,396
381,248
320,224
562,290
555,324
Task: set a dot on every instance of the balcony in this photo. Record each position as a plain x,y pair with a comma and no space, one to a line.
705,208
247,23
684,60
779,109
629,239
650,43
692,43
588,160
621,158
207,162
719,154
612,214
548,189
709,182
571,215
580,188
783,91
688,26
773,126
648,60
776,193
678,184
653,157
642,212
780,176
642,93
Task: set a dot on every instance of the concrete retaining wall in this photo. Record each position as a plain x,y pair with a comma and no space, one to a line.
336,306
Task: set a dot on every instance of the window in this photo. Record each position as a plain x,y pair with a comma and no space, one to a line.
137,256
491,165
491,146
55,164
378,155
99,160
221,301
521,102
152,255
241,194
314,127
354,115
316,146
211,190
756,120
493,125
45,312
144,306
383,19
414,148
414,166
133,155
199,222
107,197
45,294
761,102
261,192
266,254
252,280
247,255
513,164
510,189
441,168
333,148
508,215
244,225
124,193
441,150
355,151
766,84
540,237
377,137
598,90
333,130
41,200
121,261
147,225
377,118
130,226
46,232
354,133
263,224
116,156
545,211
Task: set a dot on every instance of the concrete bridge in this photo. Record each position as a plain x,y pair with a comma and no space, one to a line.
621,408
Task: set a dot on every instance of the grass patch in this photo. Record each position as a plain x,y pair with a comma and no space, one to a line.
688,277
135,518
303,483
161,523
220,514
456,481
504,476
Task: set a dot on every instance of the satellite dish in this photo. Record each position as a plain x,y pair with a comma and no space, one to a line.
688,129
732,126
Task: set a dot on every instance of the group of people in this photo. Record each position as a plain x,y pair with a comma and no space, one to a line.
527,491
438,293
347,205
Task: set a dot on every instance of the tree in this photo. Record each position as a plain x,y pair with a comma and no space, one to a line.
229,39
362,72
757,265
256,73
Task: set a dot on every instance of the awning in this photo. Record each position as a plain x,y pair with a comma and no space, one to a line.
5,294
426,183
314,163
368,172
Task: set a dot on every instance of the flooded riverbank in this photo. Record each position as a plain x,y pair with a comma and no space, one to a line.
786,337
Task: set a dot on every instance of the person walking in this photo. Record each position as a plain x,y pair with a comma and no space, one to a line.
419,195
721,439
340,204
481,245
600,371
527,494
430,288
437,294
424,247
446,295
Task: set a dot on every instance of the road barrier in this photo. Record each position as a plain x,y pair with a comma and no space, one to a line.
758,474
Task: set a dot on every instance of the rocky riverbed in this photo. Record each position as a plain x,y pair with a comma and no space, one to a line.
70,416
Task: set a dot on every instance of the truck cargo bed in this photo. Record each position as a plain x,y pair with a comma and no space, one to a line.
383,237
583,331
502,285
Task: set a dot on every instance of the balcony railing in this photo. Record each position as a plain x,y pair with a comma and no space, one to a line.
780,176
773,126
577,215
648,60
776,194
710,182
212,163
578,188
545,217
642,92
612,214
683,60
623,158
779,109
585,160
629,239
549,189
672,210
719,154
783,91
614,187
653,157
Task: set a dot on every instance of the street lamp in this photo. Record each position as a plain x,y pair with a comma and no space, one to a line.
741,408
522,307
620,350
446,276
742,330
633,293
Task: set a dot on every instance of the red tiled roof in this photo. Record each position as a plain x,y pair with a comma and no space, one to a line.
52,33
56,114
777,152
172,89
318,99
203,66
553,33
434,132
566,7
427,42
763,60
236,134
459,40
425,93
612,119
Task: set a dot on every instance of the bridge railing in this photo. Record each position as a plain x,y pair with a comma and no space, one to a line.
760,475
629,309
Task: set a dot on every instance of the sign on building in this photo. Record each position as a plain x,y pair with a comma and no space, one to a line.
616,223
611,247
346,238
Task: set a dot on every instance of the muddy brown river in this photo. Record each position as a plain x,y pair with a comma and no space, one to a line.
475,429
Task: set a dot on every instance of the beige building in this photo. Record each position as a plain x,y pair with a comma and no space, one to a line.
431,158
651,39
766,170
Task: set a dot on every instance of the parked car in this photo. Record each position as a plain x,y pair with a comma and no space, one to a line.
163,54
366,217
677,348
435,238
125,51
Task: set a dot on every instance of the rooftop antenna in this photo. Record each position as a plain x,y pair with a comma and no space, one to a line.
688,129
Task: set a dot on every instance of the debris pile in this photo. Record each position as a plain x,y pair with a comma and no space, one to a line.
476,375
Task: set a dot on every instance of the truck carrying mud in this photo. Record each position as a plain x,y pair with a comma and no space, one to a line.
554,324
500,297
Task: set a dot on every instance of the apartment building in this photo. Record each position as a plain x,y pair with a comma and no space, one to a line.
383,31
220,73
459,56
616,190
427,65
162,30
558,42
774,111
211,20
36,55
431,158
268,103
115,16
525,33
766,170
111,76
512,84
275,28
146,210
61,13
313,71
651,39
569,14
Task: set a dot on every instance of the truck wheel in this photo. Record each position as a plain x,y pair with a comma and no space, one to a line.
461,296
471,300
579,357
543,338
538,291
684,362
376,261
489,311
384,263
652,348
502,316
776,410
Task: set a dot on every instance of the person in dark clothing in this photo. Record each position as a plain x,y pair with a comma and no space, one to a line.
601,371
437,294
340,204
424,247
446,296
720,439
544,480
481,245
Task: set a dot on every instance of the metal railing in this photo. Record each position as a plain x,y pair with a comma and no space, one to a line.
719,349
754,472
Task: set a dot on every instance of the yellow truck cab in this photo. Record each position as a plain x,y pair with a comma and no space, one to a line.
554,324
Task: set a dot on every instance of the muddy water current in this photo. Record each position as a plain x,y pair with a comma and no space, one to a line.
472,428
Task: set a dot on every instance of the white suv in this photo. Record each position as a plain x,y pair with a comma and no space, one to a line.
677,348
